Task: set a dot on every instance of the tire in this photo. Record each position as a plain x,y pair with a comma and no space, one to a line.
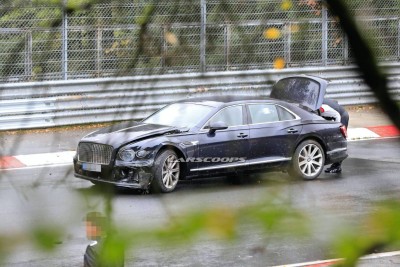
308,160
235,179
166,172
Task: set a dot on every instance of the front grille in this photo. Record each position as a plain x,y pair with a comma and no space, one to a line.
95,153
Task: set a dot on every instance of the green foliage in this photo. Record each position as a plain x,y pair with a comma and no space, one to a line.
8,244
274,218
46,237
144,18
112,250
224,223
379,230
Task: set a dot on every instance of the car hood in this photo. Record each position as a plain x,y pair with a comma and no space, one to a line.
123,133
309,91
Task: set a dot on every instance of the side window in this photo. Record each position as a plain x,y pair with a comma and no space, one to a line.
285,115
232,116
261,113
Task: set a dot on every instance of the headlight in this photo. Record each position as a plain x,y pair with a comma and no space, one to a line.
142,153
126,154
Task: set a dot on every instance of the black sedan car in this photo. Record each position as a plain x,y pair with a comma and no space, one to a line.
222,135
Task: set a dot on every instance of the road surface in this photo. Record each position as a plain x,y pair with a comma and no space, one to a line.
51,194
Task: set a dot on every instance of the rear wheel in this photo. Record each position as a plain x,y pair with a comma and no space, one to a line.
235,179
308,160
166,172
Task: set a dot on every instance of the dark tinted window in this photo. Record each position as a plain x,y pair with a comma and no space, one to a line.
299,90
232,116
285,115
261,113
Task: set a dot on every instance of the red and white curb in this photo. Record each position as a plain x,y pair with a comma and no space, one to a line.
36,160
354,134
332,262
65,158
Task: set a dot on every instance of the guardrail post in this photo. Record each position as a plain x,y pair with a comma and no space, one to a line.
64,33
345,48
227,41
398,40
164,46
203,39
99,48
324,35
28,55
287,43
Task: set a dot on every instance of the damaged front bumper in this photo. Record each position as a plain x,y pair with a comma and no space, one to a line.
135,175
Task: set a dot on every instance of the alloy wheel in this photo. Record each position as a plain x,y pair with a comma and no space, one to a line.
310,160
170,171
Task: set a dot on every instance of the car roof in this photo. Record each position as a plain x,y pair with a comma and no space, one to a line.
216,101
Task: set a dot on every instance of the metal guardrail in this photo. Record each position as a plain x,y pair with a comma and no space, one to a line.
49,104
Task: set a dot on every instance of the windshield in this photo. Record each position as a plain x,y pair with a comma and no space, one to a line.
180,115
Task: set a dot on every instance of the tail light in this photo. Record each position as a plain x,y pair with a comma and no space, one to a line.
343,130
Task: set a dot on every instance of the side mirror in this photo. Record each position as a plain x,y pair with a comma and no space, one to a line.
218,125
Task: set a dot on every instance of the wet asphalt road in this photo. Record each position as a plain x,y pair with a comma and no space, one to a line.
371,173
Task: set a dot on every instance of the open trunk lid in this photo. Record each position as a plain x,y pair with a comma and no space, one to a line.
308,91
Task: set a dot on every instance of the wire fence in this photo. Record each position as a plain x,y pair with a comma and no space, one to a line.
53,42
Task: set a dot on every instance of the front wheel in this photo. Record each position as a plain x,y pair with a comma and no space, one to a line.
166,172
308,160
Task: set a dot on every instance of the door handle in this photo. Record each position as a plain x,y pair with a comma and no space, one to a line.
292,130
242,135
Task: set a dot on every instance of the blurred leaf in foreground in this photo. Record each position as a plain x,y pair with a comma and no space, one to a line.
47,237
380,230
366,60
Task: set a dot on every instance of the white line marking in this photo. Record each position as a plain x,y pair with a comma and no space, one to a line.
381,255
37,167
367,257
368,139
308,263
357,133
46,158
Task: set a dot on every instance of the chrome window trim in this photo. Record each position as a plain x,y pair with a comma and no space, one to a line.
297,117
224,166
270,122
